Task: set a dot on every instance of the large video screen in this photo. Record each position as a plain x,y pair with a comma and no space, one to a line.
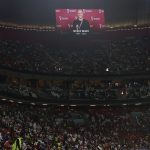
80,21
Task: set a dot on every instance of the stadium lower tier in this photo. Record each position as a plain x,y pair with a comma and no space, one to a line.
75,91
68,128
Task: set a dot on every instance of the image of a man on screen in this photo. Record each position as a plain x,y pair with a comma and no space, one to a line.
80,24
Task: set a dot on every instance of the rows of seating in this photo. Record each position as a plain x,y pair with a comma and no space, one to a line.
62,128
98,90
124,56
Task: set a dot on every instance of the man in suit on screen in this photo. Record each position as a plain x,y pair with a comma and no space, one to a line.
80,23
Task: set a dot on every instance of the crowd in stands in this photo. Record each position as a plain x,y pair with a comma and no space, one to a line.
76,128
69,128
104,90
80,90
124,56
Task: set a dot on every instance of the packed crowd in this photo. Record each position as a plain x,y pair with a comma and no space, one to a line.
109,90
64,128
80,90
106,57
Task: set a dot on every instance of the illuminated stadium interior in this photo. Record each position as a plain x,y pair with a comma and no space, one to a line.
74,74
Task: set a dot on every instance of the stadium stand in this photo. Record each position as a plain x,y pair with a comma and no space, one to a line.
99,90
126,56
69,87
53,128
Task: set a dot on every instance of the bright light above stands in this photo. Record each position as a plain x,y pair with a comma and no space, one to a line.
3,99
32,103
124,104
107,69
137,104
73,105
33,27
92,105
44,104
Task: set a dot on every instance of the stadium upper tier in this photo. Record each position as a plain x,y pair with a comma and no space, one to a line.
124,56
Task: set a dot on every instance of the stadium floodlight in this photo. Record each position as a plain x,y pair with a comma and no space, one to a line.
124,104
92,105
107,69
19,102
3,99
44,104
32,103
62,105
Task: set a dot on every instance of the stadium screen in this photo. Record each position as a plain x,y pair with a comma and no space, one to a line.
80,21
